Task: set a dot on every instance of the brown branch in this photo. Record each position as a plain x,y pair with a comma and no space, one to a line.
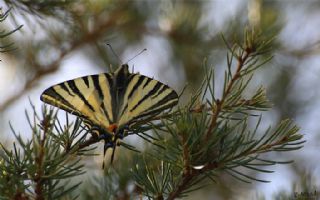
54,66
20,196
215,165
189,173
185,181
186,157
261,149
219,103
39,160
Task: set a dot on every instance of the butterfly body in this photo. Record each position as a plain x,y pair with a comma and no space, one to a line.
110,103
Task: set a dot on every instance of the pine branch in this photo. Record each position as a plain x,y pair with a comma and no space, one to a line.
39,161
219,103
5,46
36,169
212,136
38,8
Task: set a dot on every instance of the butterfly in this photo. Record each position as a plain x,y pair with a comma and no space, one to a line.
110,103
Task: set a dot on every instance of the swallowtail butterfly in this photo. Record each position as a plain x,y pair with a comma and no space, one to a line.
110,103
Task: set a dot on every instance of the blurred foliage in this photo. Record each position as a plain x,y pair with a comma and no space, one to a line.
6,46
57,29
304,188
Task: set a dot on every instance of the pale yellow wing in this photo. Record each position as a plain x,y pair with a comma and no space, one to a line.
88,97
145,97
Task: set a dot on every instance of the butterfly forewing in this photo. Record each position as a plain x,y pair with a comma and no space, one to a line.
88,97
145,97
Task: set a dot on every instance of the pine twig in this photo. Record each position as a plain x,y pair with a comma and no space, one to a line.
39,160
219,103
193,173
186,180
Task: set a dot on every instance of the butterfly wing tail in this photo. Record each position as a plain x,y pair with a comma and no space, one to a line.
107,145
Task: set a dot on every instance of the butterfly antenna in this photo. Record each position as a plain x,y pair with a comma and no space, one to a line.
143,50
114,53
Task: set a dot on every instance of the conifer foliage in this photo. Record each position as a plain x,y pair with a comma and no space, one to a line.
191,145
5,45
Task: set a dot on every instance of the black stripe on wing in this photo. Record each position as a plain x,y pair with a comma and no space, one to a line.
148,97
65,88
51,92
136,85
97,86
167,102
109,78
52,97
105,112
86,80
152,92
77,92
96,83
147,82
171,98
164,88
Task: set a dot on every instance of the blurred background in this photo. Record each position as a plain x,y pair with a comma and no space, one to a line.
62,40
